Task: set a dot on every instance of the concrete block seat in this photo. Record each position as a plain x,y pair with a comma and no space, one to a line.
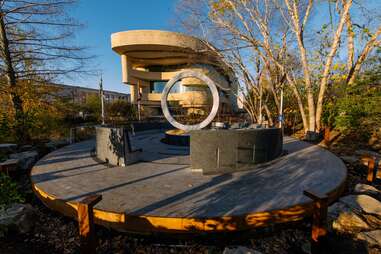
113,146
231,150
161,193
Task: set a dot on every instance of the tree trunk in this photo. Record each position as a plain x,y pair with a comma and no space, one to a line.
310,96
299,101
252,115
373,42
294,13
328,64
350,43
12,82
269,115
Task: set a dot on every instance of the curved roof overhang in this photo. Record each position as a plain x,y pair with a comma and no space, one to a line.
156,47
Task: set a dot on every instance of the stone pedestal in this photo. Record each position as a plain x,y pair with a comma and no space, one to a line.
113,146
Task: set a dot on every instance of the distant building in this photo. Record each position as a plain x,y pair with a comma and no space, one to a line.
79,94
150,58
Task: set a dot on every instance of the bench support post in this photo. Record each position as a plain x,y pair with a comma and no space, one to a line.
86,223
370,161
319,220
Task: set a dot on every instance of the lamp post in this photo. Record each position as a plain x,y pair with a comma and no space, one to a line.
102,102
260,104
139,95
281,109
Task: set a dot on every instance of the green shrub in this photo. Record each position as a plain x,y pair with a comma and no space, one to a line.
354,108
9,192
349,114
121,108
6,127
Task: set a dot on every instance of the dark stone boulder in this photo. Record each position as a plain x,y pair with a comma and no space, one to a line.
372,238
8,148
368,190
26,159
343,219
354,214
19,218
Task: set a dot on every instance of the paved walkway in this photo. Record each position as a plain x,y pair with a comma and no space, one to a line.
163,185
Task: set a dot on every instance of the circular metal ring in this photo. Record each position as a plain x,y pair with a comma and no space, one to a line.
171,83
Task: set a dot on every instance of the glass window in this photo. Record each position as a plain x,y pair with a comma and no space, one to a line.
158,87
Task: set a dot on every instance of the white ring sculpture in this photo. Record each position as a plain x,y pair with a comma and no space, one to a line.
171,83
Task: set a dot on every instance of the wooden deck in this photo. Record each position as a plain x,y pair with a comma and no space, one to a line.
162,194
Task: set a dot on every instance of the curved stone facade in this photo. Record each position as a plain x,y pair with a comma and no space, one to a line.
151,57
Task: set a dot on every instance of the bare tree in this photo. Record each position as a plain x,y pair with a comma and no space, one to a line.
259,79
373,42
298,24
328,63
35,45
254,24
276,32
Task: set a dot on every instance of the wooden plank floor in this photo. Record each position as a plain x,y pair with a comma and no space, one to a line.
163,186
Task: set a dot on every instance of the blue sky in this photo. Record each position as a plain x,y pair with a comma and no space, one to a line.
102,18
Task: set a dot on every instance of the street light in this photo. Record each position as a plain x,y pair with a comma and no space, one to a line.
102,102
281,117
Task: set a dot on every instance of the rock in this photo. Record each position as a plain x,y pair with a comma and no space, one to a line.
59,143
240,250
373,139
26,159
362,203
342,219
367,152
349,159
50,146
7,148
25,148
312,136
376,146
9,166
255,126
355,213
306,247
47,147
235,126
368,190
18,217
333,135
373,238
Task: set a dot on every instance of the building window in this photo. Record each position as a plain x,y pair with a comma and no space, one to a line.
158,86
